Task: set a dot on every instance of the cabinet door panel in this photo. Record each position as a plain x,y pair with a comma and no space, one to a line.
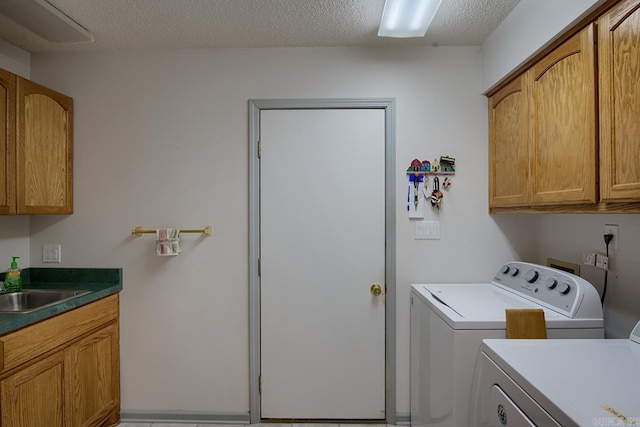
508,145
7,142
97,380
619,64
37,396
563,108
45,150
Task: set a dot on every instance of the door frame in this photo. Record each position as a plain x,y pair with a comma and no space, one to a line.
255,107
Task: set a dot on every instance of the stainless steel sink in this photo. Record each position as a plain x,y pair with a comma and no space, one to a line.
28,300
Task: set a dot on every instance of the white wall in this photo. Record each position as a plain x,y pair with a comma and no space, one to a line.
527,29
161,140
14,59
14,241
568,236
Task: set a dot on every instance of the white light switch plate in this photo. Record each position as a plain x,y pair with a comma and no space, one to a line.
427,230
51,253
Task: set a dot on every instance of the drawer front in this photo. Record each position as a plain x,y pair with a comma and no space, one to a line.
25,344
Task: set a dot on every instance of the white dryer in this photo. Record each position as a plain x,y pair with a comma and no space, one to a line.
568,383
449,322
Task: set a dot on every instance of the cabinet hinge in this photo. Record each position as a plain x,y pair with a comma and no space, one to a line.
259,267
260,384
259,148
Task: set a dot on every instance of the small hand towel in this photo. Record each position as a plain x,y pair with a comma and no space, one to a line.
163,234
168,248
168,242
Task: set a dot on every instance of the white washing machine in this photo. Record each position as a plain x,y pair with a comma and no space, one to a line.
449,322
566,383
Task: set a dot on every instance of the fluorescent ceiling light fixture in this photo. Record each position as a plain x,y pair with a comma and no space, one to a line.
43,19
407,18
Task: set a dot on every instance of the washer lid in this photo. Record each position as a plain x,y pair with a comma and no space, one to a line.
580,380
477,306
478,301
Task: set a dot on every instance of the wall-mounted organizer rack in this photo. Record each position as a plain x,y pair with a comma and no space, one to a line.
139,231
418,192
446,166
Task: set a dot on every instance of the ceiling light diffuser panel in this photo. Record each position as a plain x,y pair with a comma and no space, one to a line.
407,18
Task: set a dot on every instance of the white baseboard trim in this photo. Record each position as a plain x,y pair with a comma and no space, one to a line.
403,419
193,417
135,416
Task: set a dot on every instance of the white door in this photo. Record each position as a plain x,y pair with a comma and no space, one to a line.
322,232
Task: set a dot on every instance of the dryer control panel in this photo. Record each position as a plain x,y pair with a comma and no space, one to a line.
555,289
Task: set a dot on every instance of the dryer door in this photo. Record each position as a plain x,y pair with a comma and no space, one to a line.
506,412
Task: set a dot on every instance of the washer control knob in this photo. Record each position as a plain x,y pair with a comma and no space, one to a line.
531,276
564,288
505,269
551,283
515,271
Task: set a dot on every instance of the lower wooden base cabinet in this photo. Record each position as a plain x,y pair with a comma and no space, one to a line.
73,384
96,377
37,396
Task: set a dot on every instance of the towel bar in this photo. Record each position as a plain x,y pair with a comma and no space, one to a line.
139,231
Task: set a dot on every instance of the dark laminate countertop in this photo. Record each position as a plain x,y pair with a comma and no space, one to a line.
101,282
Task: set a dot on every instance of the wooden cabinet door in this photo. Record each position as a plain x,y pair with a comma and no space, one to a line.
563,118
45,150
37,396
619,66
96,382
7,142
508,145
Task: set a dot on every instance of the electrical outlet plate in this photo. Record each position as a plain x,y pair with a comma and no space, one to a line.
589,259
51,253
612,229
602,261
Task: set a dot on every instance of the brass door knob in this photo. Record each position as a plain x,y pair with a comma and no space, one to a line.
376,290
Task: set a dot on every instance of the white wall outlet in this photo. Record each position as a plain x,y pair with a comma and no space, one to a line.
612,229
602,261
51,252
589,259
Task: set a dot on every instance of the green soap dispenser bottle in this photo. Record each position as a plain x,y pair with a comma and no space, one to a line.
13,280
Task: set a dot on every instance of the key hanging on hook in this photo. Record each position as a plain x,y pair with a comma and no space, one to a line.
446,184
425,187
416,186
436,195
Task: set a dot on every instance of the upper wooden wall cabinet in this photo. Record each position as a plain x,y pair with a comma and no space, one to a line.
542,133
619,65
544,139
36,123
563,123
7,142
508,150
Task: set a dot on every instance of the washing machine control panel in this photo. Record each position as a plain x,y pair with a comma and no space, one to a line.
544,285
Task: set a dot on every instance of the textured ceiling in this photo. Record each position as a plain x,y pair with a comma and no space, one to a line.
139,24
